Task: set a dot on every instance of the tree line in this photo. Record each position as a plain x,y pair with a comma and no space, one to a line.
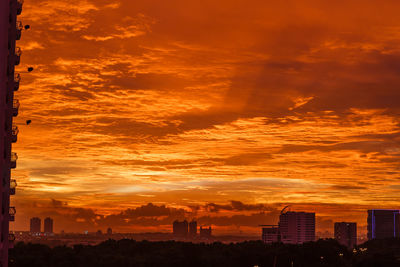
126,252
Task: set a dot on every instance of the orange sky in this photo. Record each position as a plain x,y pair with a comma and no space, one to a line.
224,111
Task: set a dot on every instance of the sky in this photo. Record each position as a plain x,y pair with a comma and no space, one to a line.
148,111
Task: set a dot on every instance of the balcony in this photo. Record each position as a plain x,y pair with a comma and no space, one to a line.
13,185
19,6
14,158
14,134
17,79
11,239
11,213
18,53
15,107
19,30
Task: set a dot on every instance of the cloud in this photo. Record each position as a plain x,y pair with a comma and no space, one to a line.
236,206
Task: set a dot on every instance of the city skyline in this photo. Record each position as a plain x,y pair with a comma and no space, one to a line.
225,112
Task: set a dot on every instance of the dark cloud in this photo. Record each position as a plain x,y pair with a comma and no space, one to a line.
236,206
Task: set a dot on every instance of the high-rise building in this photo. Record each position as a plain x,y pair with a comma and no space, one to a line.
270,234
10,31
35,225
109,231
346,233
205,232
48,225
193,228
383,223
297,227
180,229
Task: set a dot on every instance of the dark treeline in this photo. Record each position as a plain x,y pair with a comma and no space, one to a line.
376,253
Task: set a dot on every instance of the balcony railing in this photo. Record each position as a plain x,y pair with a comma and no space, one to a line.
11,213
11,239
17,79
15,107
13,185
18,53
14,133
19,30
19,6
14,158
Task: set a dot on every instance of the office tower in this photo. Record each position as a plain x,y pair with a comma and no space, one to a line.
10,31
383,224
297,227
48,225
180,229
109,231
205,232
270,234
346,233
193,228
35,225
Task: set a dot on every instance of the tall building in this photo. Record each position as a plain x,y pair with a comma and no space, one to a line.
193,228
180,229
383,223
35,225
297,227
109,231
48,225
346,233
10,31
270,234
205,232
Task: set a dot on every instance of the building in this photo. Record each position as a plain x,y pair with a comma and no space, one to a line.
297,227
270,234
109,231
346,233
383,224
205,232
35,225
10,31
180,229
48,225
193,228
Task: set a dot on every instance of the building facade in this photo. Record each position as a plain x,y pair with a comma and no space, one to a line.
297,227
48,225
180,229
35,225
270,234
346,233
205,232
193,228
10,31
383,224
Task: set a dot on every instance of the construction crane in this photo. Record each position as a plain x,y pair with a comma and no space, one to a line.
283,210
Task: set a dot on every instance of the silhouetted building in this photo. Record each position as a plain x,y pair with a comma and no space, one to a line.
297,227
205,232
192,228
383,224
180,229
99,233
10,31
35,225
270,234
109,231
346,233
48,225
